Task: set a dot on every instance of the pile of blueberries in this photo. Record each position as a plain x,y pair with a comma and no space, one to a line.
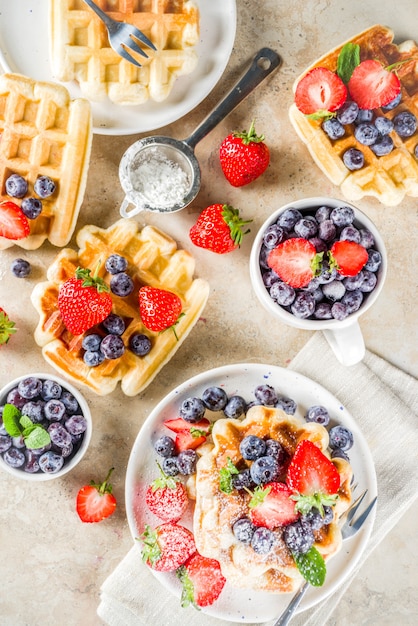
17,187
108,343
328,295
370,130
47,403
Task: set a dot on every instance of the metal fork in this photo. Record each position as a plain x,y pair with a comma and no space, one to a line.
120,35
349,529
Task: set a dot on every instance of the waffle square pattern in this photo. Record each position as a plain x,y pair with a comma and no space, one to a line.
153,259
44,132
80,48
388,178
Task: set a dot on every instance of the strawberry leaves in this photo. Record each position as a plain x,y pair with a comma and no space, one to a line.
7,327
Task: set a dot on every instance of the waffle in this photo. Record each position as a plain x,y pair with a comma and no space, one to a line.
153,259
80,48
44,132
388,178
215,511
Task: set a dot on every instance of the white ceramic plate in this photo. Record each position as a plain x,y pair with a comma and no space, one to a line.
24,48
246,605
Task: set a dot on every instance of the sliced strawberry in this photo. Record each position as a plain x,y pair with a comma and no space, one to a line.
166,497
179,424
202,581
167,547
312,477
95,502
295,261
13,222
348,257
372,86
189,440
271,506
320,91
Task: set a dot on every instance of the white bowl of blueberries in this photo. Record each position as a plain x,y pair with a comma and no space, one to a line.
45,427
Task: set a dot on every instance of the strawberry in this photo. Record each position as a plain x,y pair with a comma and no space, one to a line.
83,301
189,440
244,157
7,327
179,424
159,309
320,92
312,477
13,222
166,497
296,261
167,547
218,229
271,506
95,502
202,581
348,257
189,436
372,86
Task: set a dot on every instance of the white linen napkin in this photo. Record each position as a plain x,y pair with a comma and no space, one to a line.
383,400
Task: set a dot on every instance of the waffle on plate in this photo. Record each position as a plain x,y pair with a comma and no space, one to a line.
44,132
391,177
216,511
80,48
153,259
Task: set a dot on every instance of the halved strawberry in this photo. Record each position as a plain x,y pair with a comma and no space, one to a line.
178,424
202,581
13,222
312,477
189,440
189,436
320,91
95,502
166,497
296,261
372,86
348,257
167,547
271,506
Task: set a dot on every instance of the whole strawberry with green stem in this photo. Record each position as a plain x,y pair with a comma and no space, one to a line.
166,497
218,229
7,327
244,156
84,301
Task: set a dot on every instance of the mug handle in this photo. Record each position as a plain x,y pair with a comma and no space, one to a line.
347,343
123,208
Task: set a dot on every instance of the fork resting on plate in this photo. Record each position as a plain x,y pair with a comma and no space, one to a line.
121,35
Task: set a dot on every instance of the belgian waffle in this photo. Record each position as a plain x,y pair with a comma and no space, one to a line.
153,259
215,511
80,48
44,132
389,178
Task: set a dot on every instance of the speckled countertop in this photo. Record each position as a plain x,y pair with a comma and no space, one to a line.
51,566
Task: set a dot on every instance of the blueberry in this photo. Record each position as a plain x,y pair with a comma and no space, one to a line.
20,268
192,410
337,453
76,424
288,405
91,342
275,449
165,446
316,520
264,253
333,128
14,397
416,151
242,480
93,358
140,344
70,402
54,410
322,213
348,112
29,387
318,243
214,398
353,283
369,281
384,145
50,462
243,530
265,394
34,409
44,186
323,311
264,470
318,414
288,219
235,407
353,159
306,227
31,462
350,233
31,207
282,293
273,235
112,346
262,540
327,230
342,216
393,103
114,324
14,457
298,537
186,462
269,278
115,264
384,125
374,261
121,284
352,300
50,389
366,238
16,186
364,115
366,133
5,442
339,311
405,124
327,274
252,447
60,436
340,437
170,466
303,305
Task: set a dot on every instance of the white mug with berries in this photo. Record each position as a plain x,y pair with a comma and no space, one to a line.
318,264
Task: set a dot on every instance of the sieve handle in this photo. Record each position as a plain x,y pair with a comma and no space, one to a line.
263,64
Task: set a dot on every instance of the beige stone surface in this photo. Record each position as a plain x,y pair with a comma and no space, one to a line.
51,565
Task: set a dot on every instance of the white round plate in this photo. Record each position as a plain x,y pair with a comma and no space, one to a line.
24,48
243,605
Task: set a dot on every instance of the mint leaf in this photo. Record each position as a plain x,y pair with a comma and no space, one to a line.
225,476
348,59
37,438
25,421
312,566
11,417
